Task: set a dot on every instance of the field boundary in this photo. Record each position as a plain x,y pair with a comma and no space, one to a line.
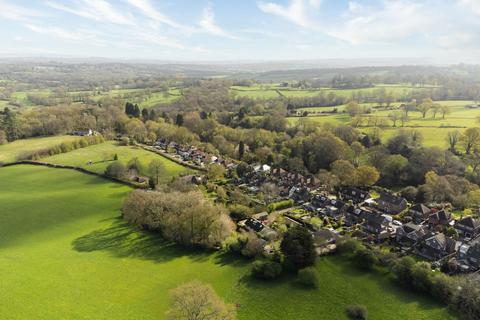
79,169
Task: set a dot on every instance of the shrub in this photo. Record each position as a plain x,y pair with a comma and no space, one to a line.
116,170
125,141
348,245
239,212
308,277
364,258
266,270
357,312
280,205
253,246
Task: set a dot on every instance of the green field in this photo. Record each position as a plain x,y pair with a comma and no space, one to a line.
102,155
157,98
434,130
10,151
267,91
65,254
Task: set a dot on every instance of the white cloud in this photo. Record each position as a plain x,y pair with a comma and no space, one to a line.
14,12
295,12
146,7
81,35
99,10
161,40
207,23
473,5
394,20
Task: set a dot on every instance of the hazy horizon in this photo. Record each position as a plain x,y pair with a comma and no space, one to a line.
251,31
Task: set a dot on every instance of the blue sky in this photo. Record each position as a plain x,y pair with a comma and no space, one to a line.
445,31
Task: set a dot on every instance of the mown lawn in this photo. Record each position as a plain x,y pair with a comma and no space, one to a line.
102,155
10,151
66,254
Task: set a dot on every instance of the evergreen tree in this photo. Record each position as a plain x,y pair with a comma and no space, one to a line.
136,111
298,248
10,124
241,150
145,114
152,116
179,120
129,109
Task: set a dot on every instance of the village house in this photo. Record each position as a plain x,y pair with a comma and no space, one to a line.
437,247
378,225
83,133
468,256
468,227
355,215
419,212
391,204
320,201
411,234
335,209
439,220
354,194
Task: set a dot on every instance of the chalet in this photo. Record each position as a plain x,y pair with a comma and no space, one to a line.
437,247
468,227
468,256
439,220
411,233
354,194
391,204
419,212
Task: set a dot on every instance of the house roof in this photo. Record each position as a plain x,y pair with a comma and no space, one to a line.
390,198
354,192
440,241
410,227
469,222
420,207
440,216
254,224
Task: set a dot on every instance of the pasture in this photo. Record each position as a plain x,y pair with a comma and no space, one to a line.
434,128
66,254
102,155
267,91
10,151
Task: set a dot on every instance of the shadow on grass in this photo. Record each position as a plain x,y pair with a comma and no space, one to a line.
385,279
122,241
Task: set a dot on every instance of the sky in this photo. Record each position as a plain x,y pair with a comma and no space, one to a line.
442,31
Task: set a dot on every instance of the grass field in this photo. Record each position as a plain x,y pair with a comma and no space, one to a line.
102,154
9,152
434,130
273,91
65,254
160,97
